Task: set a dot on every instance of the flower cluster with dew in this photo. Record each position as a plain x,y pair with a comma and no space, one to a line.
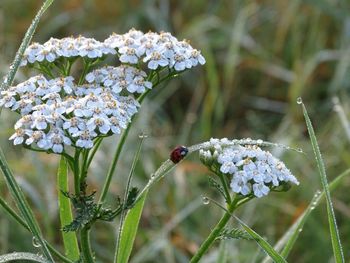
249,169
57,110
157,50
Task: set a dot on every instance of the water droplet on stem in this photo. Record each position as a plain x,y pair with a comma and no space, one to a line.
205,200
143,136
36,242
299,100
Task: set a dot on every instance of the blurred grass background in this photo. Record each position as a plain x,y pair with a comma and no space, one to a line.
261,56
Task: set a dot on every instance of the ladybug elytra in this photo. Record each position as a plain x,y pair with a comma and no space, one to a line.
178,154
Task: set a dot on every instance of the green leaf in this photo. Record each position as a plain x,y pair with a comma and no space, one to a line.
129,230
8,80
262,242
234,233
336,243
288,240
65,209
257,238
23,206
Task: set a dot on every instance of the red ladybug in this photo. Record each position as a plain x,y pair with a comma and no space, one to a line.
178,154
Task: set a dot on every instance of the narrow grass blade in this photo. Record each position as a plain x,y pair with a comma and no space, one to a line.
8,80
129,230
65,209
22,256
127,188
337,248
258,239
23,206
13,213
288,240
20,221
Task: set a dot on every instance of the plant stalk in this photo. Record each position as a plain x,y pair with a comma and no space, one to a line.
85,245
214,233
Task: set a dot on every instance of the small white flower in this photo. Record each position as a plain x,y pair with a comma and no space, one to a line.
24,122
74,125
260,189
39,122
155,60
18,136
85,139
239,184
35,137
57,140
7,101
128,55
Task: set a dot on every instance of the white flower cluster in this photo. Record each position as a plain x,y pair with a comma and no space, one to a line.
156,49
57,112
66,47
119,78
252,169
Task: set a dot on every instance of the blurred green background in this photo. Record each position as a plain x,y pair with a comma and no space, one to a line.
261,56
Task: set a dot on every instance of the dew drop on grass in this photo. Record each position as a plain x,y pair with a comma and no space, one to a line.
300,150
205,200
300,230
143,136
299,100
36,242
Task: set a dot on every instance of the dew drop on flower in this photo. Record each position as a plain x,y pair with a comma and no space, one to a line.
36,242
205,200
259,141
299,100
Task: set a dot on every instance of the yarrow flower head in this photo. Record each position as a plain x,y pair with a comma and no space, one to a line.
57,110
157,50
250,169
68,47
58,113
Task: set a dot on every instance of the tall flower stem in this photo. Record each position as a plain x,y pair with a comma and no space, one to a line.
215,232
85,245
123,137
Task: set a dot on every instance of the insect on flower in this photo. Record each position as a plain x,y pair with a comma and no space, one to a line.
178,154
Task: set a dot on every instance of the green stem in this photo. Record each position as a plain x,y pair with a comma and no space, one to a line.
83,170
214,233
122,142
114,164
85,245
87,65
226,188
76,172
94,150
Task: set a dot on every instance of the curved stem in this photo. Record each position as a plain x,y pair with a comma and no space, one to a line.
85,245
214,233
